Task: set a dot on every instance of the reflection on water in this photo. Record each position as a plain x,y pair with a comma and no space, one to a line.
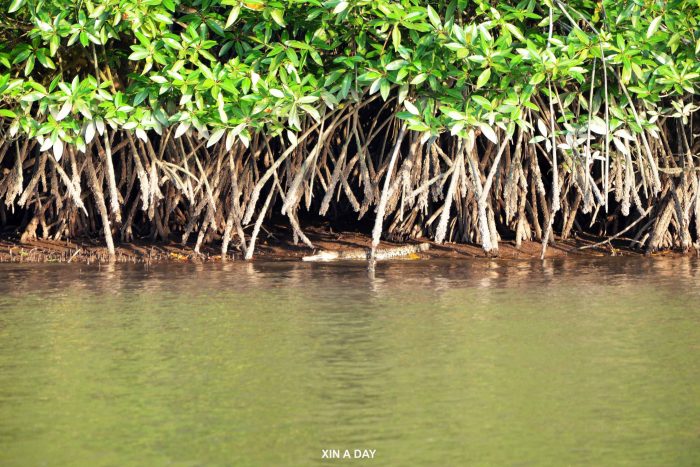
585,362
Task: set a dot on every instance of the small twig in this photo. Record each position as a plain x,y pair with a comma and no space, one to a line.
74,255
626,229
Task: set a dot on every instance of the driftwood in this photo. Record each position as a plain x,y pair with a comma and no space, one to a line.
364,254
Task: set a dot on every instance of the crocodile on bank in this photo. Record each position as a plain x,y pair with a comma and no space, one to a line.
363,254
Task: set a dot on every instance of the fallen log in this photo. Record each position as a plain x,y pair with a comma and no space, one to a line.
364,254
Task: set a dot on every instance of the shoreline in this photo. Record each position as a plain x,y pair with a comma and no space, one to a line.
278,246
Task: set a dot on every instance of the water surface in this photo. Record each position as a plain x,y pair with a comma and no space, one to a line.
583,362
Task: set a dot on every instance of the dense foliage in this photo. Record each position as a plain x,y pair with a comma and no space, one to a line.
299,97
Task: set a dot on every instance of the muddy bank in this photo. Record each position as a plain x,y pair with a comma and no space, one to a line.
277,245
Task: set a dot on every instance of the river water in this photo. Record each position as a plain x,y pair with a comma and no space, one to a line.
567,362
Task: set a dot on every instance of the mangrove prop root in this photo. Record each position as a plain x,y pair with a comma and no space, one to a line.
446,188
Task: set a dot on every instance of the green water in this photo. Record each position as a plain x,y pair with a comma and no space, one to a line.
586,362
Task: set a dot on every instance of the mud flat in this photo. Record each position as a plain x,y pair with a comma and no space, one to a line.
278,245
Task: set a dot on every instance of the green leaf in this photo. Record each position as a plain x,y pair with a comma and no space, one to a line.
452,113
7,113
216,27
216,136
434,18
654,26
487,131
345,88
597,125
22,56
139,54
29,66
340,7
233,16
395,65
411,108
307,99
298,45
181,129
15,5
316,57
403,92
375,86
165,19
32,97
483,78
515,31
384,89
45,61
456,128
245,138
396,37
141,134
58,149
311,111
278,16
65,110
537,78
482,101
419,78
